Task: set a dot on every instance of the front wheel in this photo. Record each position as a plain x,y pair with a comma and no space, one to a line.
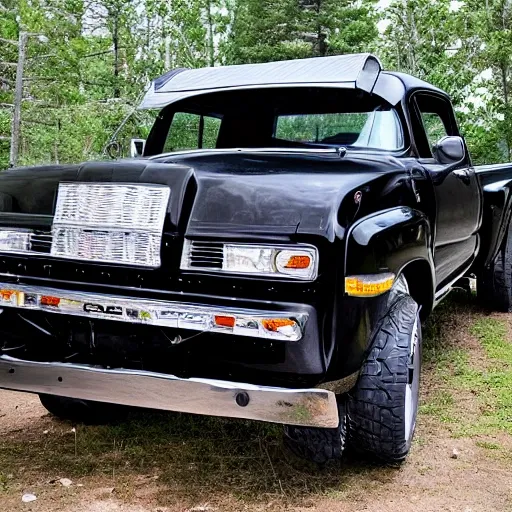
382,407
83,411
318,445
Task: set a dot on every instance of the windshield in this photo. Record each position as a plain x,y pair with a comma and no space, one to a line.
379,129
277,118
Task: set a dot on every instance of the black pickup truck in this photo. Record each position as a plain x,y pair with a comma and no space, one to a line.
268,254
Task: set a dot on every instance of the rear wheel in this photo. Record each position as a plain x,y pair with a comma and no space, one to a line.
383,405
83,411
494,285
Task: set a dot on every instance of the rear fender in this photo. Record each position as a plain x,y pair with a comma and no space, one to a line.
496,218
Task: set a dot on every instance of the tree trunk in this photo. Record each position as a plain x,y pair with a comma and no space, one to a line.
115,40
504,82
211,42
18,98
321,44
167,42
413,39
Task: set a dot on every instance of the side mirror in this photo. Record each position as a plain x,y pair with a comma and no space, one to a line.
449,150
137,147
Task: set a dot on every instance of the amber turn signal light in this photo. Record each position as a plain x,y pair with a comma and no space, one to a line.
48,300
369,285
224,321
274,324
298,262
6,294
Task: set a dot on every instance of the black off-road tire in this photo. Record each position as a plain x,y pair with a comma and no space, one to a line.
494,284
83,411
381,412
318,445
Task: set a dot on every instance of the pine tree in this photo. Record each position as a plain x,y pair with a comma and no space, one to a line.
286,29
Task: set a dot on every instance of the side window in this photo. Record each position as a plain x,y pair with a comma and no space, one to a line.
434,127
437,121
192,131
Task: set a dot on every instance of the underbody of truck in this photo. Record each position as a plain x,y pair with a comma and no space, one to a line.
276,268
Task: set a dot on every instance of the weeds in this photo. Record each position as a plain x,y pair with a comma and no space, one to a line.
4,482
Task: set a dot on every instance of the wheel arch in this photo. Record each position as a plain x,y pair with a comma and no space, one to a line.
397,240
421,287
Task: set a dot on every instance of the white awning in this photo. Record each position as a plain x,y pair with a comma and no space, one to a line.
359,71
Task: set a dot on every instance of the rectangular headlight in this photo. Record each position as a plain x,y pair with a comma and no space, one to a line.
290,261
15,241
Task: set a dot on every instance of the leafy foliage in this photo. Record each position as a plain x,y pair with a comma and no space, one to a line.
466,50
101,55
267,31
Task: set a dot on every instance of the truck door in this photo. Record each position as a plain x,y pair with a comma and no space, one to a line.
457,194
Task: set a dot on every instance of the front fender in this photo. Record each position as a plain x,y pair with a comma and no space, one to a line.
397,240
389,241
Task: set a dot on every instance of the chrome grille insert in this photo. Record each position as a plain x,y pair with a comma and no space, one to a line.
24,241
110,222
41,242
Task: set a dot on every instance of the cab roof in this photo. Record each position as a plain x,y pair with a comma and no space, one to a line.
361,71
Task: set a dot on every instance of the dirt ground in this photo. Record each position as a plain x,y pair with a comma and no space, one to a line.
186,463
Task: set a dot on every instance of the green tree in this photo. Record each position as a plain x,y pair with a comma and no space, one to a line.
451,48
489,23
266,31
425,38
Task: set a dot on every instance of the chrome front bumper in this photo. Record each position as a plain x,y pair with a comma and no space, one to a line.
303,407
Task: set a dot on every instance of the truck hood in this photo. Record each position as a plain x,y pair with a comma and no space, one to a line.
213,193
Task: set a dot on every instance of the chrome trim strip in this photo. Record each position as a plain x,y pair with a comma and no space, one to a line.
303,407
179,315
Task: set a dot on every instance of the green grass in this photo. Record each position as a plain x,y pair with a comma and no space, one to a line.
488,445
191,456
494,383
4,482
485,379
440,405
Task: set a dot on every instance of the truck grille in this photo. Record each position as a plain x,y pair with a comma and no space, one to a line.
118,223
41,242
209,255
